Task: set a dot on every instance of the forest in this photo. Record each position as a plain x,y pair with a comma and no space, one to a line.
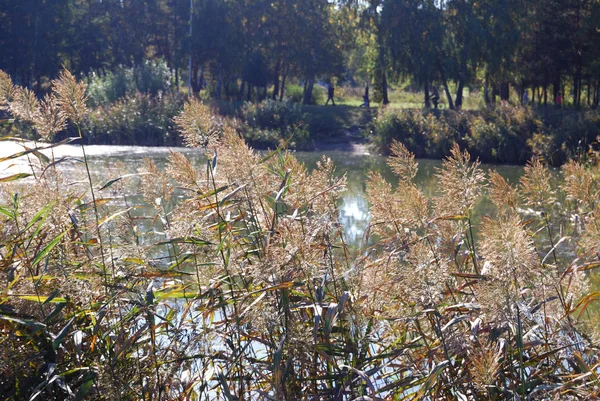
252,49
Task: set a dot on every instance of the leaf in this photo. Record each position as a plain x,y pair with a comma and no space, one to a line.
41,157
60,337
40,215
214,163
85,387
24,322
470,276
225,387
114,180
457,217
432,378
113,216
47,249
15,177
54,163
99,202
7,213
41,298
186,240
55,312
583,267
587,300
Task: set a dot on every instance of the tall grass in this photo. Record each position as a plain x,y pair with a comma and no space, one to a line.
247,290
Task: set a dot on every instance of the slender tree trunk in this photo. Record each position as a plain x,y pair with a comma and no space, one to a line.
445,85
459,94
556,86
220,82
249,94
308,88
504,91
201,78
545,91
276,79
195,85
384,88
282,87
427,103
486,91
241,91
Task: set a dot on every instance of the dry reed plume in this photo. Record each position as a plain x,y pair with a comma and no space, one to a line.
233,280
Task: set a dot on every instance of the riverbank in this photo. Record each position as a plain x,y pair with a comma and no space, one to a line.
504,134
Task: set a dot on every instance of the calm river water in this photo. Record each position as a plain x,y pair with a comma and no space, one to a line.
111,161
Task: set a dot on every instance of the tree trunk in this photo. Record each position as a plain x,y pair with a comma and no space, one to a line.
220,82
556,86
282,87
308,88
486,91
459,95
589,91
201,78
195,86
504,91
448,94
384,88
241,92
427,103
249,94
276,80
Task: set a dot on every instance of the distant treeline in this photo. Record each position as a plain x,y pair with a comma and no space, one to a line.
250,49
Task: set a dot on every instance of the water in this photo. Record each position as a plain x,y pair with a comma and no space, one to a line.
107,162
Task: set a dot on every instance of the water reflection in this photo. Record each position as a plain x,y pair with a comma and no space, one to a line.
108,162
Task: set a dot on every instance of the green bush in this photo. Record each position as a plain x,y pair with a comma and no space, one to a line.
295,94
138,119
107,87
503,134
271,114
269,123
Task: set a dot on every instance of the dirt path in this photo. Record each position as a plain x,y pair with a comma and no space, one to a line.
350,141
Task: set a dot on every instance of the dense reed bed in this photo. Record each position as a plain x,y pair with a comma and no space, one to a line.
246,289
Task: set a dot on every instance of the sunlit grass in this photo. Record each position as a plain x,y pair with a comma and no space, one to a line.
236,280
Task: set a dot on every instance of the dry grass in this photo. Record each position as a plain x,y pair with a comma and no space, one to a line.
247,290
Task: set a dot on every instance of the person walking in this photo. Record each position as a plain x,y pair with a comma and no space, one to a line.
435,97
366,98
330,94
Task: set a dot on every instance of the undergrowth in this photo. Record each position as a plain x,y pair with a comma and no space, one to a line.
502,134
246,289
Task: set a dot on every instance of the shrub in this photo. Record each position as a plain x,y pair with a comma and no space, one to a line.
503,134
295,94
272,114
107,87
136,119
269,123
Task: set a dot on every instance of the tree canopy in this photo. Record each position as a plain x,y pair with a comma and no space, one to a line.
237,48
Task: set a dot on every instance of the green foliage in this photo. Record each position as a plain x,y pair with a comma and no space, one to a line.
150,77
504,134
295,94
135,119
268,123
